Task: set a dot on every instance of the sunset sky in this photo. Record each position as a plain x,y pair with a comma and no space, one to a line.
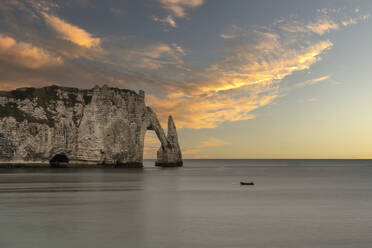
242,78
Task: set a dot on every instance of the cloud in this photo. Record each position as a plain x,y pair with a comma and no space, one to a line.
355,20
178,7
247,75
167,21
326,21
71,32
266,62
307,100
208,111
247,78
212,142
94,61
25,54
321,26
233,33
250,74
179,49
150,57
313,81
349,22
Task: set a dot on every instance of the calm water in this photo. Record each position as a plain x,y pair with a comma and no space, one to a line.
293,204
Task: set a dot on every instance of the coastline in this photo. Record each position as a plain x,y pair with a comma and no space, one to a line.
82,165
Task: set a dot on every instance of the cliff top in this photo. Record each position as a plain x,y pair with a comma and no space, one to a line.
49,91
17,103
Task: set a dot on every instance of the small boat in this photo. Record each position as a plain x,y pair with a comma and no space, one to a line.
246,183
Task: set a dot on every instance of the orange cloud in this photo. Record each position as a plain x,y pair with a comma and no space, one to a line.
313,81
247,78
71,32
327,20
263,64
355,20
212,142
208,111
25,54
177,7
322,25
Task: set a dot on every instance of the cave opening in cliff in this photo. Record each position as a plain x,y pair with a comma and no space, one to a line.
59,160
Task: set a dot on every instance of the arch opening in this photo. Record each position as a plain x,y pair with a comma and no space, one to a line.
150,148
59,160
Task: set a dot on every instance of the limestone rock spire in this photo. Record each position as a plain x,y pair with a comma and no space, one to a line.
172,132
171,155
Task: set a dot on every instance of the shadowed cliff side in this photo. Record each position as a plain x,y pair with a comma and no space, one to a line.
102,126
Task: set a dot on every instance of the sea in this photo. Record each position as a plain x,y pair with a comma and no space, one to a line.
293,204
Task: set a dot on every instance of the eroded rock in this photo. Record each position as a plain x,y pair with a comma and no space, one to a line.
100,126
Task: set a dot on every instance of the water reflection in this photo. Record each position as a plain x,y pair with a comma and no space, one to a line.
200,205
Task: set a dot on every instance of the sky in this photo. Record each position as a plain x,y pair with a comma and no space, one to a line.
241,78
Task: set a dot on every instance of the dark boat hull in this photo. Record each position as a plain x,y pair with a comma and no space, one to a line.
246,183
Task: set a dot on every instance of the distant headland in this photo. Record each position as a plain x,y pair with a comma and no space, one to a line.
70,127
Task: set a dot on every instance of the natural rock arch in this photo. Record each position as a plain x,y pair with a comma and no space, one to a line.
169,153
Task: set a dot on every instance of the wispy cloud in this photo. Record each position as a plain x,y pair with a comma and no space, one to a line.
313,99
313,81
325,21
247,78
71,32
149,57
213,142
167,21
250,73
25,54
71,60
177,9
209,110
196,151
321,26
355,20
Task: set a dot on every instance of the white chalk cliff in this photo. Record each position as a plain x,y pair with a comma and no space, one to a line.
99,126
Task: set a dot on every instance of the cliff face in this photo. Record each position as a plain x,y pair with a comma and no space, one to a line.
100,126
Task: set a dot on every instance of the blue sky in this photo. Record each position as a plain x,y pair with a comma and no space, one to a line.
243,79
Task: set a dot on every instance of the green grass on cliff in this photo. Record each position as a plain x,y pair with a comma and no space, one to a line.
46,94
10,109
45,98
